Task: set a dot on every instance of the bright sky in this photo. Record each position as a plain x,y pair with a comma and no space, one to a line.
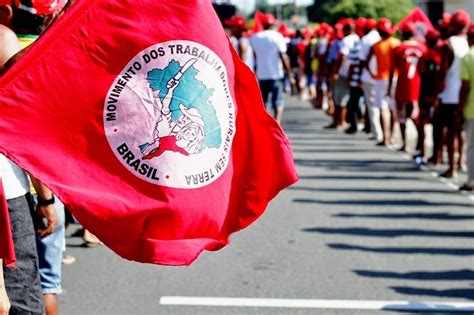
248,5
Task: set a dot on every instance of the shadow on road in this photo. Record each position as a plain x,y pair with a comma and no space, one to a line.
374,190
383,202
467,293
358,177
461,275
368,232
406,250
408,216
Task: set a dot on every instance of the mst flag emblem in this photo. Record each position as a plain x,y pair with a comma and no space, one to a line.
169,116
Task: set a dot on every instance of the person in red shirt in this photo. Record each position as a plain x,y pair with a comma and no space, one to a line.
428,68
405,62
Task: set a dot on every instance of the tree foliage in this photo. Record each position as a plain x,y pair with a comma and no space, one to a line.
331,10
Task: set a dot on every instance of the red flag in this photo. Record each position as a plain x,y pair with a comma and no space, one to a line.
7,249
258,21
104,87
421,21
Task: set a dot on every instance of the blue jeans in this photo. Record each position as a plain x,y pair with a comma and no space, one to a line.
273,88
50,255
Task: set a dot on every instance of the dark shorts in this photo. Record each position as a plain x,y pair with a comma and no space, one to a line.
426,114
272,92
448,114
23,284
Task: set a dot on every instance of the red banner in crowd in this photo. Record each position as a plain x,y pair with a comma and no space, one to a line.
421,21
144,122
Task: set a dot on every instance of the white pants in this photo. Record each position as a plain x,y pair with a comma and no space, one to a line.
374,111
382,101
469,127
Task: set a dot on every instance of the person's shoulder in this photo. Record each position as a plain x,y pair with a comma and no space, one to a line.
7,34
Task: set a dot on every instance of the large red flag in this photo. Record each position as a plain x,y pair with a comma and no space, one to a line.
421,21
144,122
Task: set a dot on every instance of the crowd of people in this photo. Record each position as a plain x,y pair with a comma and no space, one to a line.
361,72
373,76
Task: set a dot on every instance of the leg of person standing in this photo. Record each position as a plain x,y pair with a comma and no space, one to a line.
50,250
277,100
373,111
469,127
23,284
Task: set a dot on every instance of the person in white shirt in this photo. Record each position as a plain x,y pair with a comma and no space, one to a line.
341,74
271,64
367,41
451,56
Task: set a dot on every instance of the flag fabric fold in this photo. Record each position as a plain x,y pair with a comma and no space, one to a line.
421,22
113,82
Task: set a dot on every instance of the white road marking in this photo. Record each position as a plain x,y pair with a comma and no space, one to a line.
320,304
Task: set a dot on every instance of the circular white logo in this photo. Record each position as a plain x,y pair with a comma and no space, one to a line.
169,116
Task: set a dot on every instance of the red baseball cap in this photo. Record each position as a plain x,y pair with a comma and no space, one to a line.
470,30
346,21
461,18
360,25
408,27
370,24
444,22
236,21
432,34
268,19
41,7
385,25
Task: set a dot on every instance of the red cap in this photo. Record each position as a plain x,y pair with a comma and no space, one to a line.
338,30
470,30
385,25
236,21
360,25
370,24
445,20
461,18
307,32
5,3
268,19
432,35
41,7
408,27
346,21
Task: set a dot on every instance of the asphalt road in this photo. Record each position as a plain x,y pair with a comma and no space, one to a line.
363,223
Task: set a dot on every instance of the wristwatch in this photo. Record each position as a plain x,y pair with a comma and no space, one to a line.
46,202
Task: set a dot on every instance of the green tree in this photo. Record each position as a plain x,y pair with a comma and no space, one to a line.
331,10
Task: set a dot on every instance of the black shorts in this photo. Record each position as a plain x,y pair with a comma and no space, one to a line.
23,284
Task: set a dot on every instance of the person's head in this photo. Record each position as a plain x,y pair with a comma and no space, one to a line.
360,26
407,30
458,22
29,16
444,26
431,38
370,24
385,28
6,12
237,25
470,35
268,21
348,29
